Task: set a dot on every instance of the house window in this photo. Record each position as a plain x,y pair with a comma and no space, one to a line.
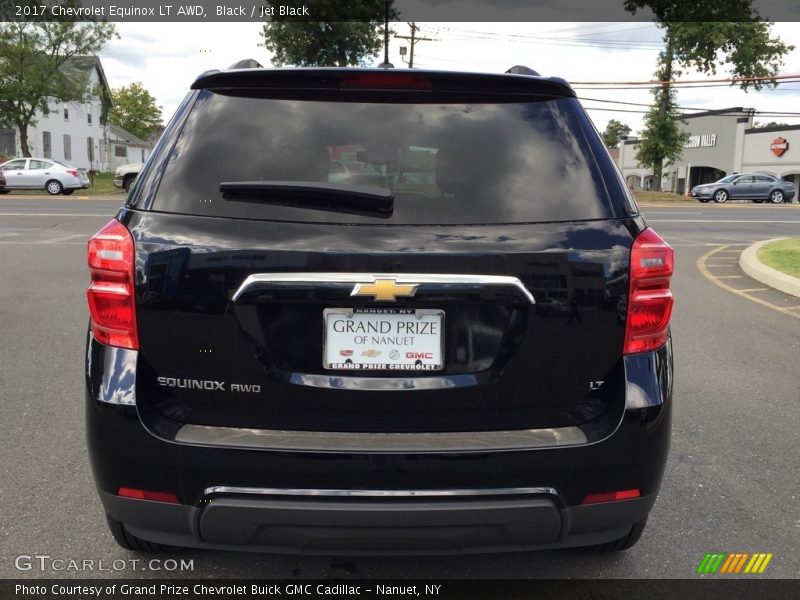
67,147
47,145
66,114
90,149
89,118
121,151
45,111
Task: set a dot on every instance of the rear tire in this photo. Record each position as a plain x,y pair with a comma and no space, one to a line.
776,197
128,183
54,187
131,542
720,196
623,543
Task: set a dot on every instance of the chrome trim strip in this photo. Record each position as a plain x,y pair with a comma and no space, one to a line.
376,443
400,278
224,489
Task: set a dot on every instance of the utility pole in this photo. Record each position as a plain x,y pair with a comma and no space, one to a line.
386,64
413,39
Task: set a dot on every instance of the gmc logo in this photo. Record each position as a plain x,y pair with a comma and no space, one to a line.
428,355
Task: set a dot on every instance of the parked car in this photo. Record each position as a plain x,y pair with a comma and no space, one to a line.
757,187
43,173
2,183
125,175
278,362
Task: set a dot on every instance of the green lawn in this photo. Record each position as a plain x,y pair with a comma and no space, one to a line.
783,255
645,196
103,184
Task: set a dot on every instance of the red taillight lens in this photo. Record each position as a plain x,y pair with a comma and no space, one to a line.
74,173
147,495
111,297
380,81
611,496
649,299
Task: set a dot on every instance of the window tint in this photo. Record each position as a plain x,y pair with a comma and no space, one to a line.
38,164
14,165
445,163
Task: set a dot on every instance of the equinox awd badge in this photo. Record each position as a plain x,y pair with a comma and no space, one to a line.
206,384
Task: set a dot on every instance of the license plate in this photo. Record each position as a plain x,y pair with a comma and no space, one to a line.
384,339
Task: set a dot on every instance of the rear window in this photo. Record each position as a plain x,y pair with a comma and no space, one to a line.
445,163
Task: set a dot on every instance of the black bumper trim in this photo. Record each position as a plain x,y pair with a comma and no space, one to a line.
325,526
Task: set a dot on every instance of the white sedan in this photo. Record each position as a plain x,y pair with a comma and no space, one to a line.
42,173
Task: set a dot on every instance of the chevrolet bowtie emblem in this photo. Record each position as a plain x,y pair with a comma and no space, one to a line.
385,289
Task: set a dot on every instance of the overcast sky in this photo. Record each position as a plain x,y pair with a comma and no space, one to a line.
167,57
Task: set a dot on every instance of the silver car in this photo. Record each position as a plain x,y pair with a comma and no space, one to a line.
42,174
757,187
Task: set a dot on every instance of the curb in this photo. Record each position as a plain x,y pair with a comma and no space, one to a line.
750,264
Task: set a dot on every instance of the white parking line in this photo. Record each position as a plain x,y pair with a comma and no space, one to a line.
713,221
64,238
10,214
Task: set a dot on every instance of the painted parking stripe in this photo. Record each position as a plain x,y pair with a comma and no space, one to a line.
717,280
718,221
8,214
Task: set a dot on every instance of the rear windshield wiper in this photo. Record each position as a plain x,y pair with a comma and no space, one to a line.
312,194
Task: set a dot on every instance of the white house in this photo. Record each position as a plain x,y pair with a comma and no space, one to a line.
124,147
76,132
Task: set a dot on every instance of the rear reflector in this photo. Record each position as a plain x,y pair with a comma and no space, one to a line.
112,304
611,496
649,299
147,495
380,81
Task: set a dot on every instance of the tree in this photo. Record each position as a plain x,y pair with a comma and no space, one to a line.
135,110
760,125
349,32
703,36
614,131
35,61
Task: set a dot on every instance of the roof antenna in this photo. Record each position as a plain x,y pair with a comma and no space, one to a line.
386,64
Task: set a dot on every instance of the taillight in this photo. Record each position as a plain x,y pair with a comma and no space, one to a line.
391,80
649,299
74,173
111,297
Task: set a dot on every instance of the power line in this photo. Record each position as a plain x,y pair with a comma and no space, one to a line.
656,82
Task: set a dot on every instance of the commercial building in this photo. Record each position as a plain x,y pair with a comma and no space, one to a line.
721,142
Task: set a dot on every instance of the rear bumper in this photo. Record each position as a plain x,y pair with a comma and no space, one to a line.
320,501
324,525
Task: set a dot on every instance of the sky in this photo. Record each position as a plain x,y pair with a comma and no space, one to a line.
167,57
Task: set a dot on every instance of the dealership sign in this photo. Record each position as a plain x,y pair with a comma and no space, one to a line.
698,141
779,146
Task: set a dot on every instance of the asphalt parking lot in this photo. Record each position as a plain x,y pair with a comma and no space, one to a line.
732,482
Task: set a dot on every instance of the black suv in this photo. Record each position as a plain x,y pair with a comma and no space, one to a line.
316,325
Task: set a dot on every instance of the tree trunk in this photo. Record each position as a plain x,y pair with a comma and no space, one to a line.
23,139
665,76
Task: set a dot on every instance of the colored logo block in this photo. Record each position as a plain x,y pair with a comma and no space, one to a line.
734,563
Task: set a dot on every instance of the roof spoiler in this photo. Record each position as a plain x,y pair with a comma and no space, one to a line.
522,70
